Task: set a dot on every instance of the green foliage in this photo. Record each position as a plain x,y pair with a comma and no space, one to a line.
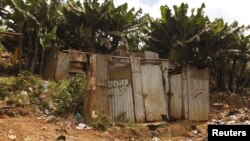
101,123
6,86
70,94
177,35
98,27
61,97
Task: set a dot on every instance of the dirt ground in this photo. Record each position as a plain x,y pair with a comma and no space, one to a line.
30,127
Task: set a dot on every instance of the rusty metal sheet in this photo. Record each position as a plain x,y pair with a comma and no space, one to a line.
152,85
198,93
137,89
176,96
165,66
120,93
102,105
62,66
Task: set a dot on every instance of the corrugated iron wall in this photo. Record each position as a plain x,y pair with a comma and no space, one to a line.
62,66
101,98
198,93
137,89
152,86
190,89
120,93
176,98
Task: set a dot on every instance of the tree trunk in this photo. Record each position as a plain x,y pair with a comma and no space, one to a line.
34,58
232,83
20,43
89,99
41,62
239,84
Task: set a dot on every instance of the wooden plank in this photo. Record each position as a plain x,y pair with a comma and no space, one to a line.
137,89
176,98
152,86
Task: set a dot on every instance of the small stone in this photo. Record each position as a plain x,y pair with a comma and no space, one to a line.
44,128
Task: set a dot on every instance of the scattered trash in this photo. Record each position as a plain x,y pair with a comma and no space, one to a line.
234,116
94,115
155,139
50,119
24,93
42,96
46,111
30,89
78,117
13,137
45,86
195,131
82,126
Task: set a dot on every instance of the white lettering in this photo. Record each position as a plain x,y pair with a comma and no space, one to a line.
118,83
243,133
215,132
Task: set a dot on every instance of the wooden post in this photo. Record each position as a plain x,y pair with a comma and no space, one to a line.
89,99
137,89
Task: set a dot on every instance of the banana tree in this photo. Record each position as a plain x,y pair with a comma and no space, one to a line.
98,27
35,19
176,34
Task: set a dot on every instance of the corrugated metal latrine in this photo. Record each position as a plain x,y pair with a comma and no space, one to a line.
190,94
138,89
152,86
198,93
120,93
176,98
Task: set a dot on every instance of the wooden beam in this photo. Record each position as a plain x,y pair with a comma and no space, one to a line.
11,33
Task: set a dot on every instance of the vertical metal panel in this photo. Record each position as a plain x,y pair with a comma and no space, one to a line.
62,66
137,89
165,66
184,88
102,105
120,93
151,55
152,85
198,93
176,98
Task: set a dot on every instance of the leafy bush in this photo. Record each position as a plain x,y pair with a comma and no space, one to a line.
101,123
70,94
62,98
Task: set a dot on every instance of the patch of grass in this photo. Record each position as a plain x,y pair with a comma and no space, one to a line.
101,123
